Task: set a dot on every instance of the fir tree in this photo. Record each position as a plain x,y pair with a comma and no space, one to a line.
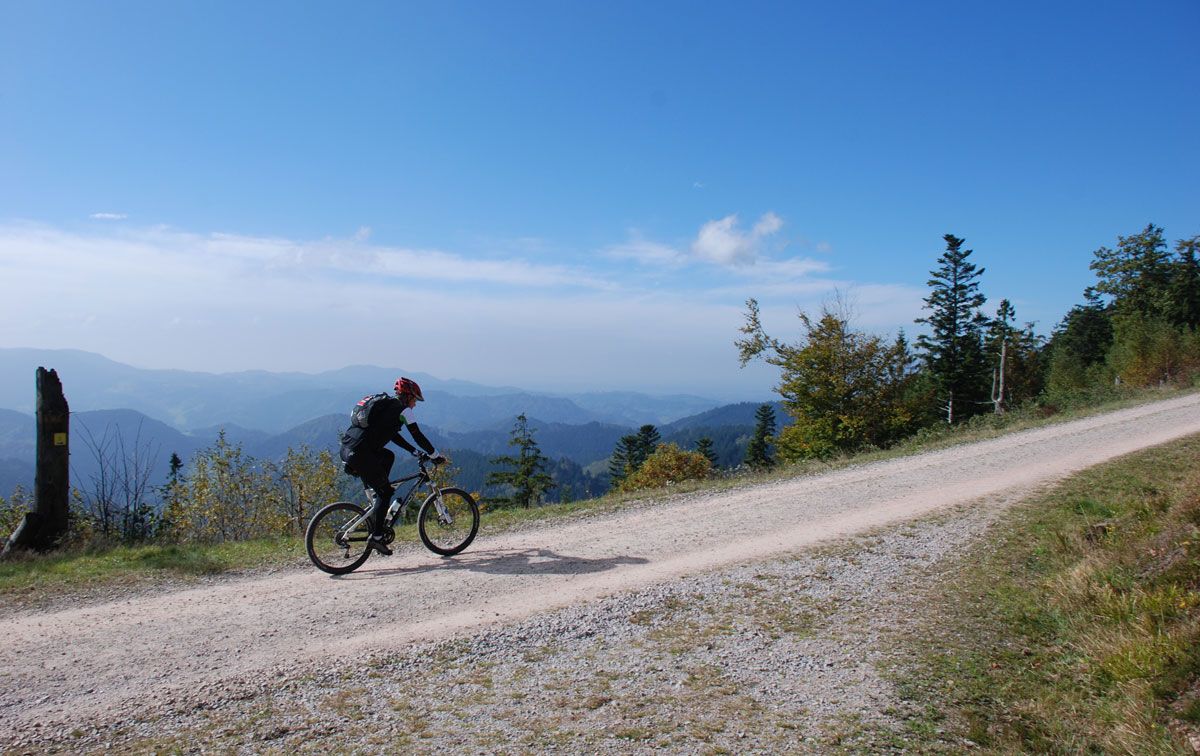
648,439
1184,292
758,451
631,452
704,445
1086,332
527,479
619,463
171,494
954,348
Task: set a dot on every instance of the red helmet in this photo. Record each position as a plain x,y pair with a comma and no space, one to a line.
410,387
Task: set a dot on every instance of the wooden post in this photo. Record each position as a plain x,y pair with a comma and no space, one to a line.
47,523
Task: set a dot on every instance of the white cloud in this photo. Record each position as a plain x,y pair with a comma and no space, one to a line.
722,242
783,270
646,252
108,216
163,297
264,257
767,225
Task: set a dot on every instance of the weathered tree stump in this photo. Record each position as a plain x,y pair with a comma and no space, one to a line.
45,526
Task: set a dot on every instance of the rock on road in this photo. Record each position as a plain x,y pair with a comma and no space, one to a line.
86,662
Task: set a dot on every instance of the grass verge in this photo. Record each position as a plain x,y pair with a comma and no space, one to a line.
85,570
1076,630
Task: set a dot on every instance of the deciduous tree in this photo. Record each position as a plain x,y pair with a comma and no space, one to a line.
843,388
307,480
1136,274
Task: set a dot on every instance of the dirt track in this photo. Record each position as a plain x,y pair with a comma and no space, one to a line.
77,664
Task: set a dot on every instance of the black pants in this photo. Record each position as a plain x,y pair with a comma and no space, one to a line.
374,466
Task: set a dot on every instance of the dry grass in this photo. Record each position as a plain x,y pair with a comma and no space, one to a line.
1078,630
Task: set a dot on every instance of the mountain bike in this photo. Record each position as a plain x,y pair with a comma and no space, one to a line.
447,522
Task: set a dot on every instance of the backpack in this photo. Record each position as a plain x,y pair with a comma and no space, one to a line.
361,414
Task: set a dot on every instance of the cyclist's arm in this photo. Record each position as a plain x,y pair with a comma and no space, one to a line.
398,440
419,437
408,421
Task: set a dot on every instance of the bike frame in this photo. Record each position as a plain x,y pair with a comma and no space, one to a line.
421,478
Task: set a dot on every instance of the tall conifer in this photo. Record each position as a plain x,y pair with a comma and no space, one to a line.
527,480
705,446
758,451
954,347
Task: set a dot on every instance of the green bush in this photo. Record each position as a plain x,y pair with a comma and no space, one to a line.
1149,351
668,464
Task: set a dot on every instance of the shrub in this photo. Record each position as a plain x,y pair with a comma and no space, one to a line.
668,464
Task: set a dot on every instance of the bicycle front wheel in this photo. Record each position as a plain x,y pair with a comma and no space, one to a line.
448,521
333,545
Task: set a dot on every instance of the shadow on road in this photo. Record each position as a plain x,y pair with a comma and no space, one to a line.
507,562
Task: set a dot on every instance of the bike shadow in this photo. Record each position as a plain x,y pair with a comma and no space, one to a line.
507,562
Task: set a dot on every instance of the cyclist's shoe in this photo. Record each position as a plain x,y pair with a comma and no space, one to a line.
378,542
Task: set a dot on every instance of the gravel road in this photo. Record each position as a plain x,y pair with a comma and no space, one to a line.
632,580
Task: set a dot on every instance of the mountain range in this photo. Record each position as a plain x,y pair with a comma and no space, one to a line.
276,402
160,412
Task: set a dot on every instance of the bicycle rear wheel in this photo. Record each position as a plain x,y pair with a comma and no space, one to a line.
450,528
331,546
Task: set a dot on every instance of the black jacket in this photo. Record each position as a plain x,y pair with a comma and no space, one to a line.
386,421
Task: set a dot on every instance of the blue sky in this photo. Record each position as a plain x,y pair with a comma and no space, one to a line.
565,195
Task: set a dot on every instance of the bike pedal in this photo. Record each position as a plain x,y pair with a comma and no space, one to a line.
379,546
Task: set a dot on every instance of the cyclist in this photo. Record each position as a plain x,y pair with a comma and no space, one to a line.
365,454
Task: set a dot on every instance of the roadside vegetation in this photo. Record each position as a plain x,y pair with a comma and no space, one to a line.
850,396
83,566
1077,628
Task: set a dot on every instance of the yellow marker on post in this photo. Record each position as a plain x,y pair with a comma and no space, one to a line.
60,439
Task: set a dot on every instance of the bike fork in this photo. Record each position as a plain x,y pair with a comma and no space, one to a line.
443,513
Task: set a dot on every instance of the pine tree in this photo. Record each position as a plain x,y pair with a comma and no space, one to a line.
758,451
704,445
171,494
1078,350
648,439
1086,332
1184,291
619,464
954,348
527,481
